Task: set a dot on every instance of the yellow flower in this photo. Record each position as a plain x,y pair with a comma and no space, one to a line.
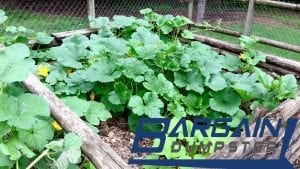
69,71
43,70
242,56
56,126
92,96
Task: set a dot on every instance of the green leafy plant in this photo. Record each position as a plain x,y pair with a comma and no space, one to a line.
25,120
135,67
139,66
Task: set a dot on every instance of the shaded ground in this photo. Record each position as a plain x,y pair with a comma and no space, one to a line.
116,133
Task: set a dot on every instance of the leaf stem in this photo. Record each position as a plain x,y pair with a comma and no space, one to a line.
17,164
44,153
1,87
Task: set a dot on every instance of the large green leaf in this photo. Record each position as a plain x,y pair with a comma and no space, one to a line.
14,148
244,84
66,57
99,22
102,71
76,83
17,51
192,80
121,21
97,113
145,36
288,87
160,85
216,82
226,101
14,66
79,106
177,110
56,76
43,38
102,45
22,112
149,105
5,161
120,95
71,151
133,68
230,62
38,135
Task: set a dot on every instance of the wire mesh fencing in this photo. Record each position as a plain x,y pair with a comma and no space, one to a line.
277,24
65,15
46,15
274,23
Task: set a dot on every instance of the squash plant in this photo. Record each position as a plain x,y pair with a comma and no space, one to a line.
26,133
138,67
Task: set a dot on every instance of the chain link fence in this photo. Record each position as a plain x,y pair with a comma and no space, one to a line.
275,23
64,15
46,15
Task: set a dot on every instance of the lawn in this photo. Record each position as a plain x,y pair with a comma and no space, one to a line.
279,26
275,24
44,22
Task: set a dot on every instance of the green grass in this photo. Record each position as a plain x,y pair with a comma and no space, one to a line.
284,27
260,47
281,26
44,22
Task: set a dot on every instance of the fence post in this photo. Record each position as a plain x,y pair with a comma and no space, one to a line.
91,9
249,18
190,9
200,10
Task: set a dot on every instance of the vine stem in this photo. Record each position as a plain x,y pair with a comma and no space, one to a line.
1,87
44,153
17,164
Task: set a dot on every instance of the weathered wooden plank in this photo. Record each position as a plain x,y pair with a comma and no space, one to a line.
190,9
62,35
271,59
249,18
289,108
266,41
284,5
91,10
201,7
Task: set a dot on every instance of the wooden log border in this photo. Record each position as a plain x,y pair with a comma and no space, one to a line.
288,64
261,40
288,109
278,4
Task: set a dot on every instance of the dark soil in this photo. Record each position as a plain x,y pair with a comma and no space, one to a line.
116,133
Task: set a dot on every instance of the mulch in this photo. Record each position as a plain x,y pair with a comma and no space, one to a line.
116,133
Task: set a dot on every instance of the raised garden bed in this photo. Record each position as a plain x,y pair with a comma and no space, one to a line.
137,68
